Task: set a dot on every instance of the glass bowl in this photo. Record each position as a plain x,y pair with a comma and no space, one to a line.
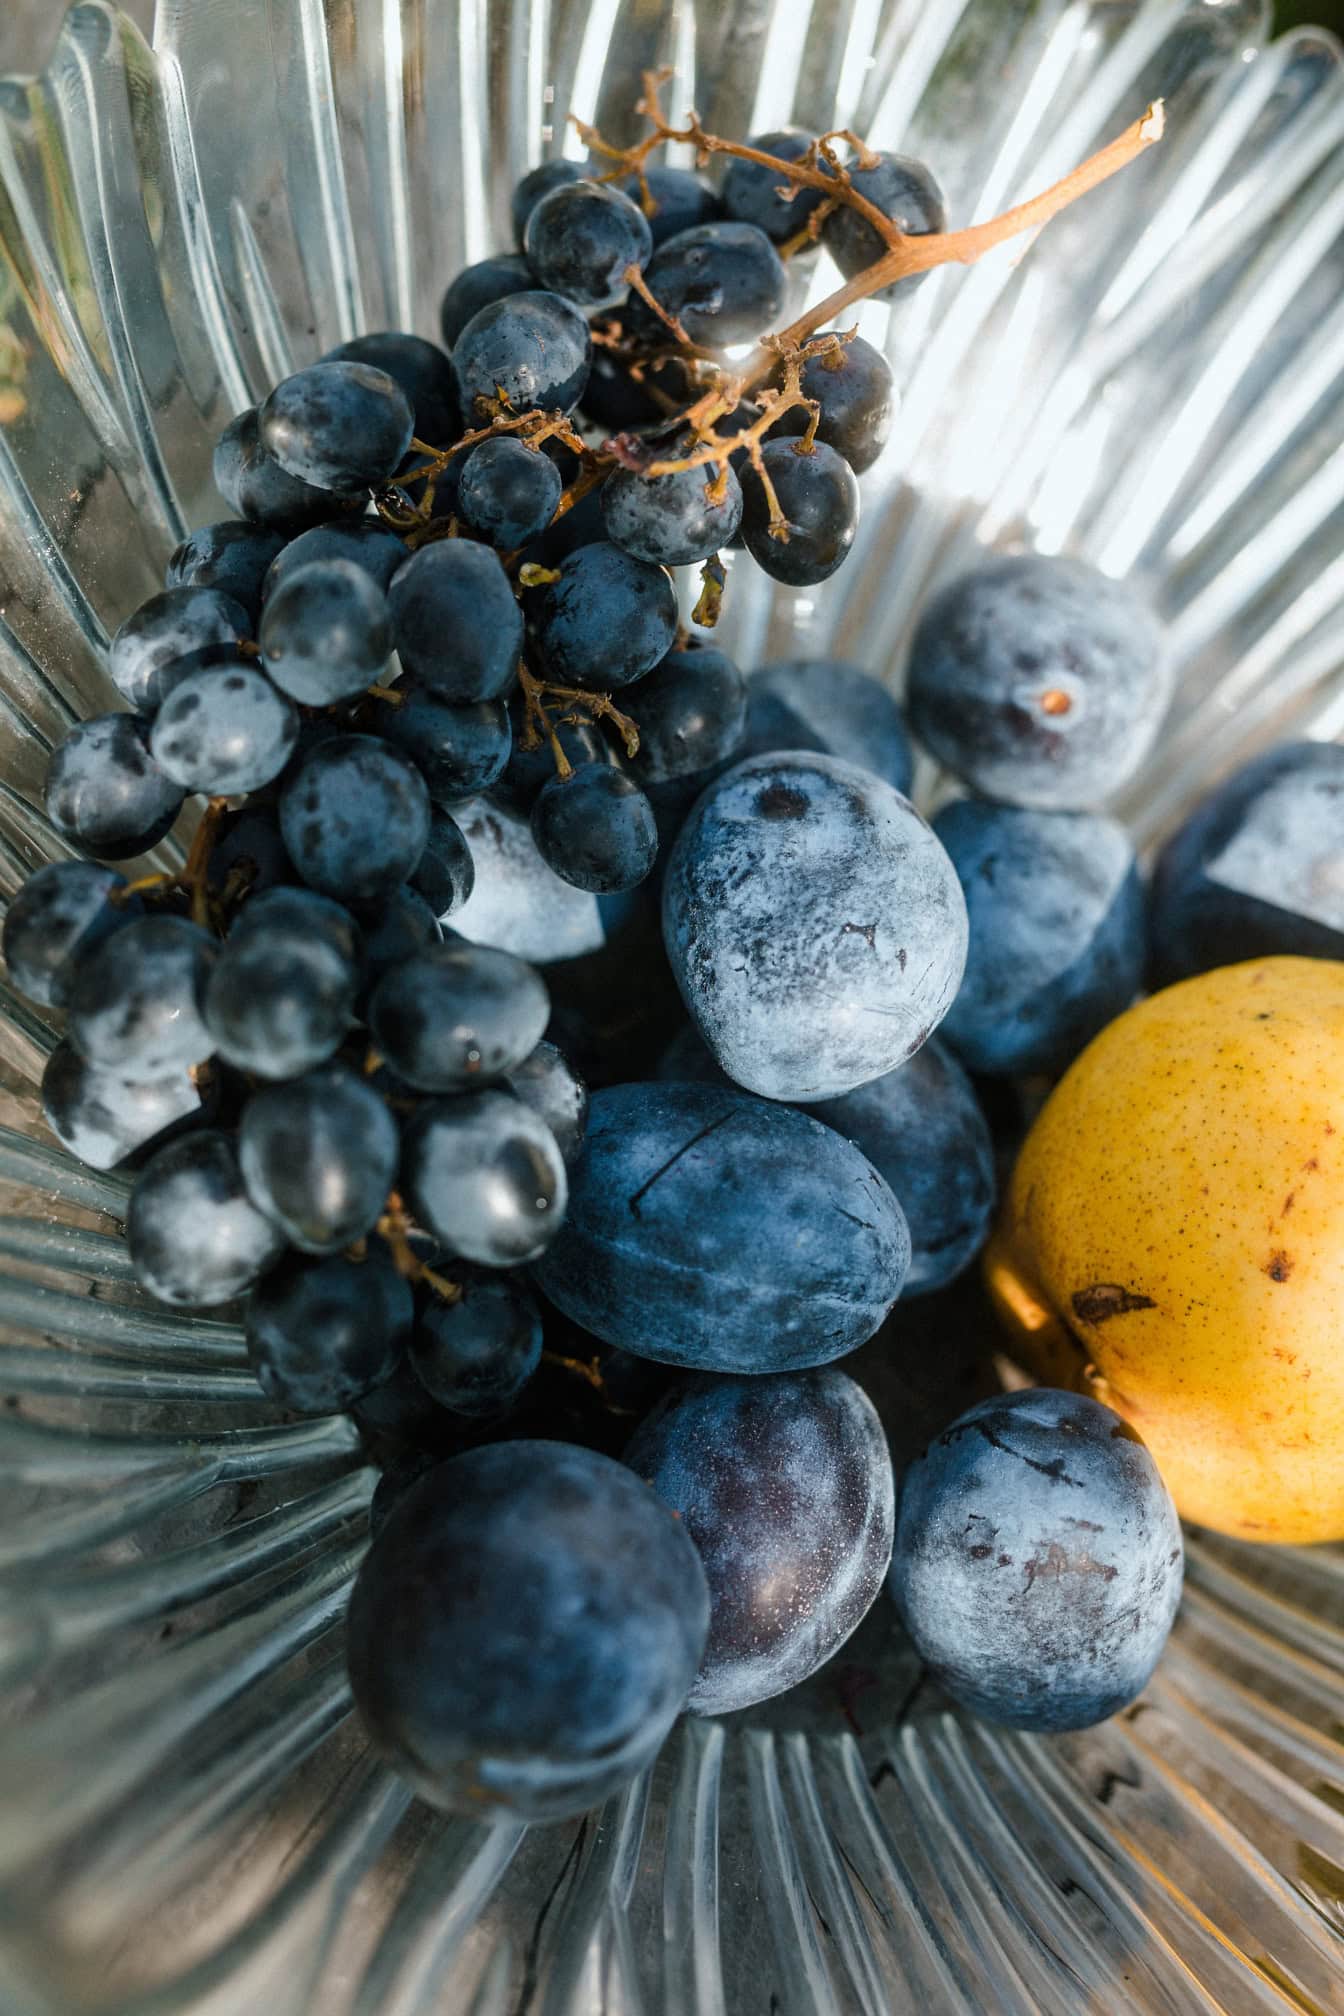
189,1819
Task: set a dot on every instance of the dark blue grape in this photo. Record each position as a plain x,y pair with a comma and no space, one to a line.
136,1000
539,182
327,633
459,749
301,914
398,926
581,526
534,349
399,1420
421,369
616,400
617,1612
507,492
232,556
318,1156
365,541
672,520
784,1485
855,391
1254,873
166,633
1056,934
815,926
818,495
609,618
341,426
252,483
517,903
194,1237
280,1000
61,912
458,1015
583,239
475,1355
902,189
105,793
1038,1560
548,1083
485,1175
399,1472
596,829
726,1233
751,192
690,712
833,708
679,199
104,1119
446,873
724,283
458,629
322,1333
224,732
1039,680
355,816
248,855
528,770
476,287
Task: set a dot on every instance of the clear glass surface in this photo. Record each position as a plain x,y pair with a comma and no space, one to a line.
189,1820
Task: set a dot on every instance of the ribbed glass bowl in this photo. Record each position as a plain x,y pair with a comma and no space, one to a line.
189,1819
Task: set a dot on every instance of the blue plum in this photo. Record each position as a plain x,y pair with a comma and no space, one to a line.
59,914
476,287
1038,1560
322,1333
165,634
533,348
902,189
459,631
232,556
832,707
713,1230
355,817
1039,681
341,426
105,794
194,1236
608,619
539,1682
814,924
784,1485
1056,949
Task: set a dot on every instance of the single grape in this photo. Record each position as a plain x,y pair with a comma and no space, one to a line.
326,634
725,1233
248,855
280,1000
341,426
364,541
485,1175
318,1156
252,483
105,1119
724,283
784,1485
855,391
679,199
1254,873
401,1423
609,618
548,1083
165,634
818,497
833,708
528,770
475,1355
815,925
476,287
458,1015
1038,1560
617,398
539,182
62,912
596,829
533,348
1039,681
458,748
507,492
194,1237
136,1000
673,520
902,189
616,1609
446,872
518,903
105,793
322,1333
420,368
458,629
355,816
398,927
224,732
582,240
232,556
1057,947
301,914
691,711
752,193
581,526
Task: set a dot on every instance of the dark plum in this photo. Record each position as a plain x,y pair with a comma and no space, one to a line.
902,189
165,634
355,818
476,1354
583,238
534,348
136,1000
458,1015
818,495
485,1175
194,1236
318,1156
322,1333
105,794
548,1083
608,619
340,426
458,629
596,829
62,912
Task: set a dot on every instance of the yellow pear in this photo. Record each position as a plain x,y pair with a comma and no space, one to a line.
1173,1242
